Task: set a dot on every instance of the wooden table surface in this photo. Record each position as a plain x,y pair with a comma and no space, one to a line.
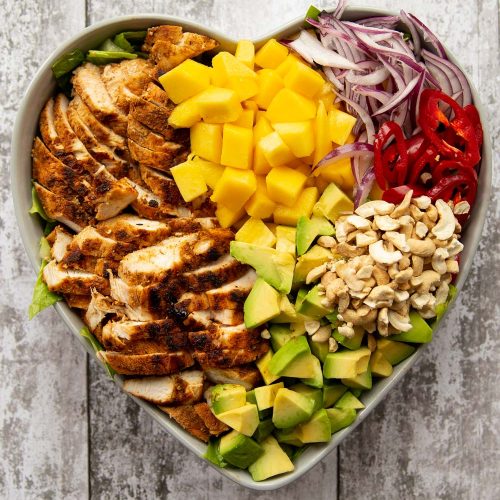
67,432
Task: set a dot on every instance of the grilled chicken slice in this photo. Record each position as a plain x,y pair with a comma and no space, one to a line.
213,424
155,94
203,319
247,376
186,225
161,185
147,364
126,80
59,279
189,420
51,138
77,301
161,160
59,240
99,307
90,264
174,255
230,296
168,46
152,116
183,388
230,357
88,84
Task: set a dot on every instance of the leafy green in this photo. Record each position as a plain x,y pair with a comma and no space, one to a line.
109,46
63,67
36,206
213,454
123,40
313,13
44,249
441,308
101,57
42,296
96,345
49,226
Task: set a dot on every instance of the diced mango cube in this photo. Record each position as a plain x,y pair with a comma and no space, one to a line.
327,96
271,54
228,217
340,124
211,171
234,188
260,205
339,172
185,114
262,128
206,141
270,83
245,53
287,64
189,180
285,238
246,119
333,203
237,145
275,150
284,185
218,105
303,80
250,104
256,232
322,134
233,74
260,164
298,136
289,106
303,207
185,80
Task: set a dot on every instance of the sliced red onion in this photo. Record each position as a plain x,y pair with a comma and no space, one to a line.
364,188
345,151
380,22
398,98
369,30
378,76
380,95
339,10
417,46
429,36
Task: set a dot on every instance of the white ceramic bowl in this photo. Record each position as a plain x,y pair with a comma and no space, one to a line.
43,86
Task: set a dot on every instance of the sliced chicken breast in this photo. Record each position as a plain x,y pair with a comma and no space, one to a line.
77,301
230,357
213,424
161,185
247,376
204,319
151,116
99,307
161,160
59,240
189,420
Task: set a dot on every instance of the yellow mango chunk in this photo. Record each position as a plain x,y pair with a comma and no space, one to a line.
340,125
271,54
218,105
275,150
302,207
234,188
260,205
185,114
327,96
228,217
262,128
254,231
333,203
231,73
298,136
185,80
237,145
260,164
245,53
246,119
303,80
189,180
287,64
284,185
206,141
339,172
322,134
210,171
285,238
375,193
289,106
270,83
250,105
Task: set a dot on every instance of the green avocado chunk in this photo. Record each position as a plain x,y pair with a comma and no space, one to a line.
280,335
379,366
264,428
312,305
420,333
309,229
291,408
275,267
346,364
261,305
287,314
288,436
224,397
362,381
306,367
285,239
333,203
239,450
285,356
316,430
340,418
265,395
307,262
263,366
349,401
244,419
311,392
272,462
352,343
394,352
332,392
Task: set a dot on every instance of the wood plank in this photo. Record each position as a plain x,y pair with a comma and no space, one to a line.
43,416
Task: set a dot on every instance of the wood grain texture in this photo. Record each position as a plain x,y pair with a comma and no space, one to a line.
435,436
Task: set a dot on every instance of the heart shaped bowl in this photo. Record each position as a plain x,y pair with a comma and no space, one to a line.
43,86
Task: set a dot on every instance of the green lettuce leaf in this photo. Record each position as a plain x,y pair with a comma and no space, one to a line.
96,345
213,454
441,308
36,206
313,13
42,296
44,249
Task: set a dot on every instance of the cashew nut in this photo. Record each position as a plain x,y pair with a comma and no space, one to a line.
380,296
454,247
400,322
422,202
348,250
332,344
452,266
376,207
358,222
422,248
398,240
432,213
403,276
315,274
366,239
401,295
381,276
462,207
386,223
420,300
349,276
312,326
417,264
439,260
346,330
327,241
445,228
323,334
364,272
442,292
416,213
381,255
383,322
429,281
421,230
335,289
402,208
352,316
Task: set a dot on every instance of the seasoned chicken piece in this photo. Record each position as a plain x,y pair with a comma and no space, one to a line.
59,240
155,94
88,84
189,420
168,46
218,336
51,138
77,301
99,307
96,265
183,388
185,225
203,319
230,296
161,185
213,424
147,364
174,255
152,116
148,139
161,160
230,357
120,195
126,80
61,280
247,376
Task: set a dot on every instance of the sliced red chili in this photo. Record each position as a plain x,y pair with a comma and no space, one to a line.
463,184
396,194
474,117
429,158
446,168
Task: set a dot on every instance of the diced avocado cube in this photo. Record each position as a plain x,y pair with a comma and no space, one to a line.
280,335
317,379
394,352
311,392
262,304
213,454
224,397
272,462
309,229
420,333
349,401
332,392
333,319
288,436
297,328
276,268
285,239
244,419
287,314
319,349
264,395
357,392
239,450
379,366
317,430
346,364
340,418
264,428
307,262
263,366
285,356
251,397
305,366
291,408
352,343
362,381
333,203
301,295
312,305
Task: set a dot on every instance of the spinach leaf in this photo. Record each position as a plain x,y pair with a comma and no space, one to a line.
95,344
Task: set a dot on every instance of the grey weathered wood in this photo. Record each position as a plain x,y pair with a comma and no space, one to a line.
436,434
43,407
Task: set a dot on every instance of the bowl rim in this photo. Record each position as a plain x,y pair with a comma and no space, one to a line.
314,453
